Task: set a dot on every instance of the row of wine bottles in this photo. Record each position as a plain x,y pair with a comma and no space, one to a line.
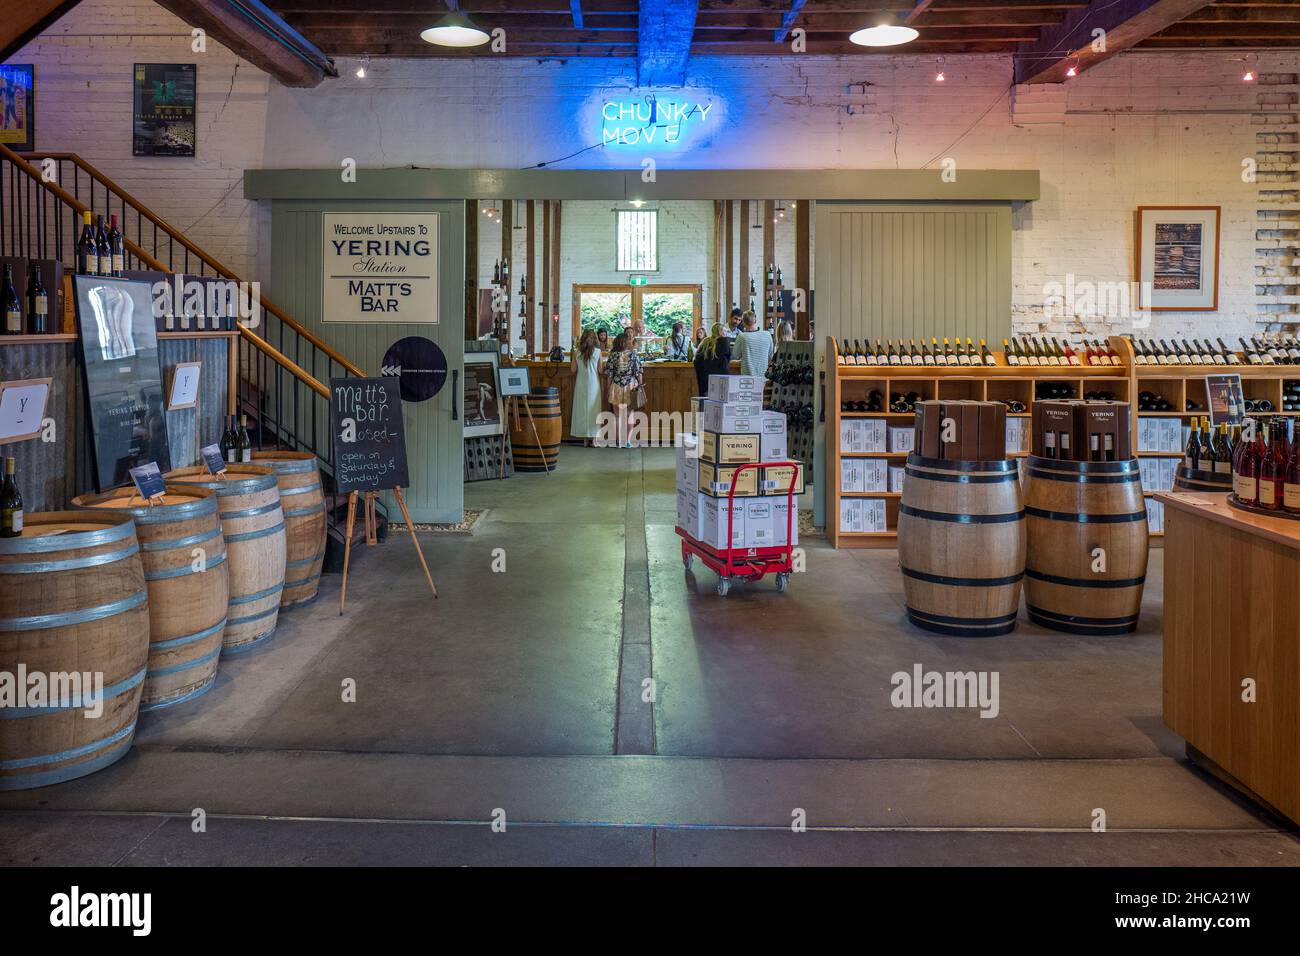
11,504
1184,352
1210,449
100,251
909,353
236,445
1041,350
38,305
1266,468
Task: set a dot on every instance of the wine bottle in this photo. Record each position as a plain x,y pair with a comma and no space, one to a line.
1192,453
229,441
87,252
11,504
1291,484
927,356
116,249
38,304
244,443
892,355
1222,452
1009,353
13,308
1293,351
842,352
904,353
102,250
985,355
859,354
882,357
1071,356
917,357
1229,356
1269,352
1272,469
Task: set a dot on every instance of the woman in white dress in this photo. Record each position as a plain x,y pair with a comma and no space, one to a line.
587,370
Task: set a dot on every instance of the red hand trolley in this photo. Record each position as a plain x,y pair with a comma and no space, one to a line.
747,563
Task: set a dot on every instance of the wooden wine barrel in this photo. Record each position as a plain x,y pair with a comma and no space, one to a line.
961,545
185,569
1073,508
1194,479
302,499
545,406
73,601
248,503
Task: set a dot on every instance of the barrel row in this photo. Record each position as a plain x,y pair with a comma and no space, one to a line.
970,538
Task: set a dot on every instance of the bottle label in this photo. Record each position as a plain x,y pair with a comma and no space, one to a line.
1291,496
41,305
15,519
14,320
1267,492
118,262
247,455
1244,488
1222,467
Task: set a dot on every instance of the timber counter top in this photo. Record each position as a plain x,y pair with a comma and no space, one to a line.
1232,644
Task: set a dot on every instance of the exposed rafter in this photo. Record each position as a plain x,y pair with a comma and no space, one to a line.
664,42
1071,42
18,26
787,21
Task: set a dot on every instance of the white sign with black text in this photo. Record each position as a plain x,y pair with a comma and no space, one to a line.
379,267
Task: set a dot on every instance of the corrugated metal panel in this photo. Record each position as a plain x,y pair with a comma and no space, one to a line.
189,429
433,440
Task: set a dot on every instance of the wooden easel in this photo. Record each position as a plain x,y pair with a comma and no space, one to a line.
370,500
512,408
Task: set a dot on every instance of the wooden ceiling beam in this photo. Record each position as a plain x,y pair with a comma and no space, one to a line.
664,42
1218,13
1230,31
1069,43
787,21
18,27
415,22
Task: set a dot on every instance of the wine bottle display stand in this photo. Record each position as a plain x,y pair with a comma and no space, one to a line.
1256,509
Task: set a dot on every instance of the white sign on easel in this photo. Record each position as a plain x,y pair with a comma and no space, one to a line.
22,408
184,390
379,267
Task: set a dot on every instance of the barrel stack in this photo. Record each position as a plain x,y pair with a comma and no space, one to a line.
961,528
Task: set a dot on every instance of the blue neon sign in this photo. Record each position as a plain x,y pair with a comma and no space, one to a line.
655,121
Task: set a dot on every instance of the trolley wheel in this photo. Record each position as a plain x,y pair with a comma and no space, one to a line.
782,579
724,585
688,559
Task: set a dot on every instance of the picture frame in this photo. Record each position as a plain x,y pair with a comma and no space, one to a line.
22,408
514,381
481,395
164,105
1176,258
18,106
183,385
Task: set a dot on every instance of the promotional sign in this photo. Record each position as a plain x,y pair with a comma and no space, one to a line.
18,107
481,398
418,364
213,459
184,391
514,381
379,267
22,408
368,434
149,480
119,347
666,120
1227,403
163,115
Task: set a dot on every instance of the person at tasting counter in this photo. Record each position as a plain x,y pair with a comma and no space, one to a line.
700,335
679,346
713,357
625,379
784,333
587,368
602,341
753,347
732,328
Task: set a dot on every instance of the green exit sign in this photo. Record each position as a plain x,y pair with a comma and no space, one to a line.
637,280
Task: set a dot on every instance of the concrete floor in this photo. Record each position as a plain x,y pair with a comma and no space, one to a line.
520,693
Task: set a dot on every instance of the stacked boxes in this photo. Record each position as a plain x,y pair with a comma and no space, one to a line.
1160,434
862,514
1073,430
735,431
961,430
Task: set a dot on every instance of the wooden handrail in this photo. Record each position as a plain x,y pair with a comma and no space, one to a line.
218,267
258,342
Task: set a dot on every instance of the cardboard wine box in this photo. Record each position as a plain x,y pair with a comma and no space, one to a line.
716,480
724,449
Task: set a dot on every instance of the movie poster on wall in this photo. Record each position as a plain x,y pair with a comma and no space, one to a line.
379,267
163,114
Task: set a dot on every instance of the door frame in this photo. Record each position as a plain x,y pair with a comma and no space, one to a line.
695,289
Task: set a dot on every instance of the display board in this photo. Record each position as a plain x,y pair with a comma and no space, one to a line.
379,267
482,398
22,408
368,435
1225,398
119,348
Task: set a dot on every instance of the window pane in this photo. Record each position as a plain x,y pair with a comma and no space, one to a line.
611,311
659,310
637,233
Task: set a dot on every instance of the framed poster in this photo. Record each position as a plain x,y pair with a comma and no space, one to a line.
119,348
482,398
1226,399
22,408
379,267
163,114
183,389
18,107
1178,258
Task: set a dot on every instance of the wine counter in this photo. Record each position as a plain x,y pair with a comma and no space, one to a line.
1232,644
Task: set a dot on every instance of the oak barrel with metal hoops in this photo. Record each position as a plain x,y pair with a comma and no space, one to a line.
73,601
185,569
302,499
248,503
1072,509
1196,479
544,403
961,545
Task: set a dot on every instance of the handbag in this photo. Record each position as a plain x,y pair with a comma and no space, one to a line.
639,396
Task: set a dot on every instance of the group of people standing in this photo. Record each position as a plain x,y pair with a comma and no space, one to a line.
616,361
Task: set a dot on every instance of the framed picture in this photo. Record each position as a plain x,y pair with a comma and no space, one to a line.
163,113
22,408
183,391
18,107
1178,258
514,381
481,398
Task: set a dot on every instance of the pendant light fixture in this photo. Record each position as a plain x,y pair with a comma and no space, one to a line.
886,31
455,30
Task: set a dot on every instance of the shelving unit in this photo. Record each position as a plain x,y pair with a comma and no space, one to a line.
999,382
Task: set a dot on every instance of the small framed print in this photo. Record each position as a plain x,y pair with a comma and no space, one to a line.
1177,268
18,106
183,391
22,408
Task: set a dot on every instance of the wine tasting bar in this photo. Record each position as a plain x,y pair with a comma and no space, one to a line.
501,432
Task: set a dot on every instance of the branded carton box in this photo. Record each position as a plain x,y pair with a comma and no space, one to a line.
736,388
732,417
713,522
777,478
716,480
688,512
773,445
724,449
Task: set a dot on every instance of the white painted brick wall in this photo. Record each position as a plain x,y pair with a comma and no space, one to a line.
1142,129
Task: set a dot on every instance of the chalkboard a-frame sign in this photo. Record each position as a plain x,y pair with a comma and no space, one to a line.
369,440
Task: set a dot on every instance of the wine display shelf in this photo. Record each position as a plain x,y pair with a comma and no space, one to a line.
1255,509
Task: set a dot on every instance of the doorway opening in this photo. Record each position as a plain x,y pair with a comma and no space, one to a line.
656,308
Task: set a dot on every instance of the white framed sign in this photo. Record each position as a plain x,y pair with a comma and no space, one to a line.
22,408
379,267
184,390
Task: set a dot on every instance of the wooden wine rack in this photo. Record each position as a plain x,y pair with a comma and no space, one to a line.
1004,382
